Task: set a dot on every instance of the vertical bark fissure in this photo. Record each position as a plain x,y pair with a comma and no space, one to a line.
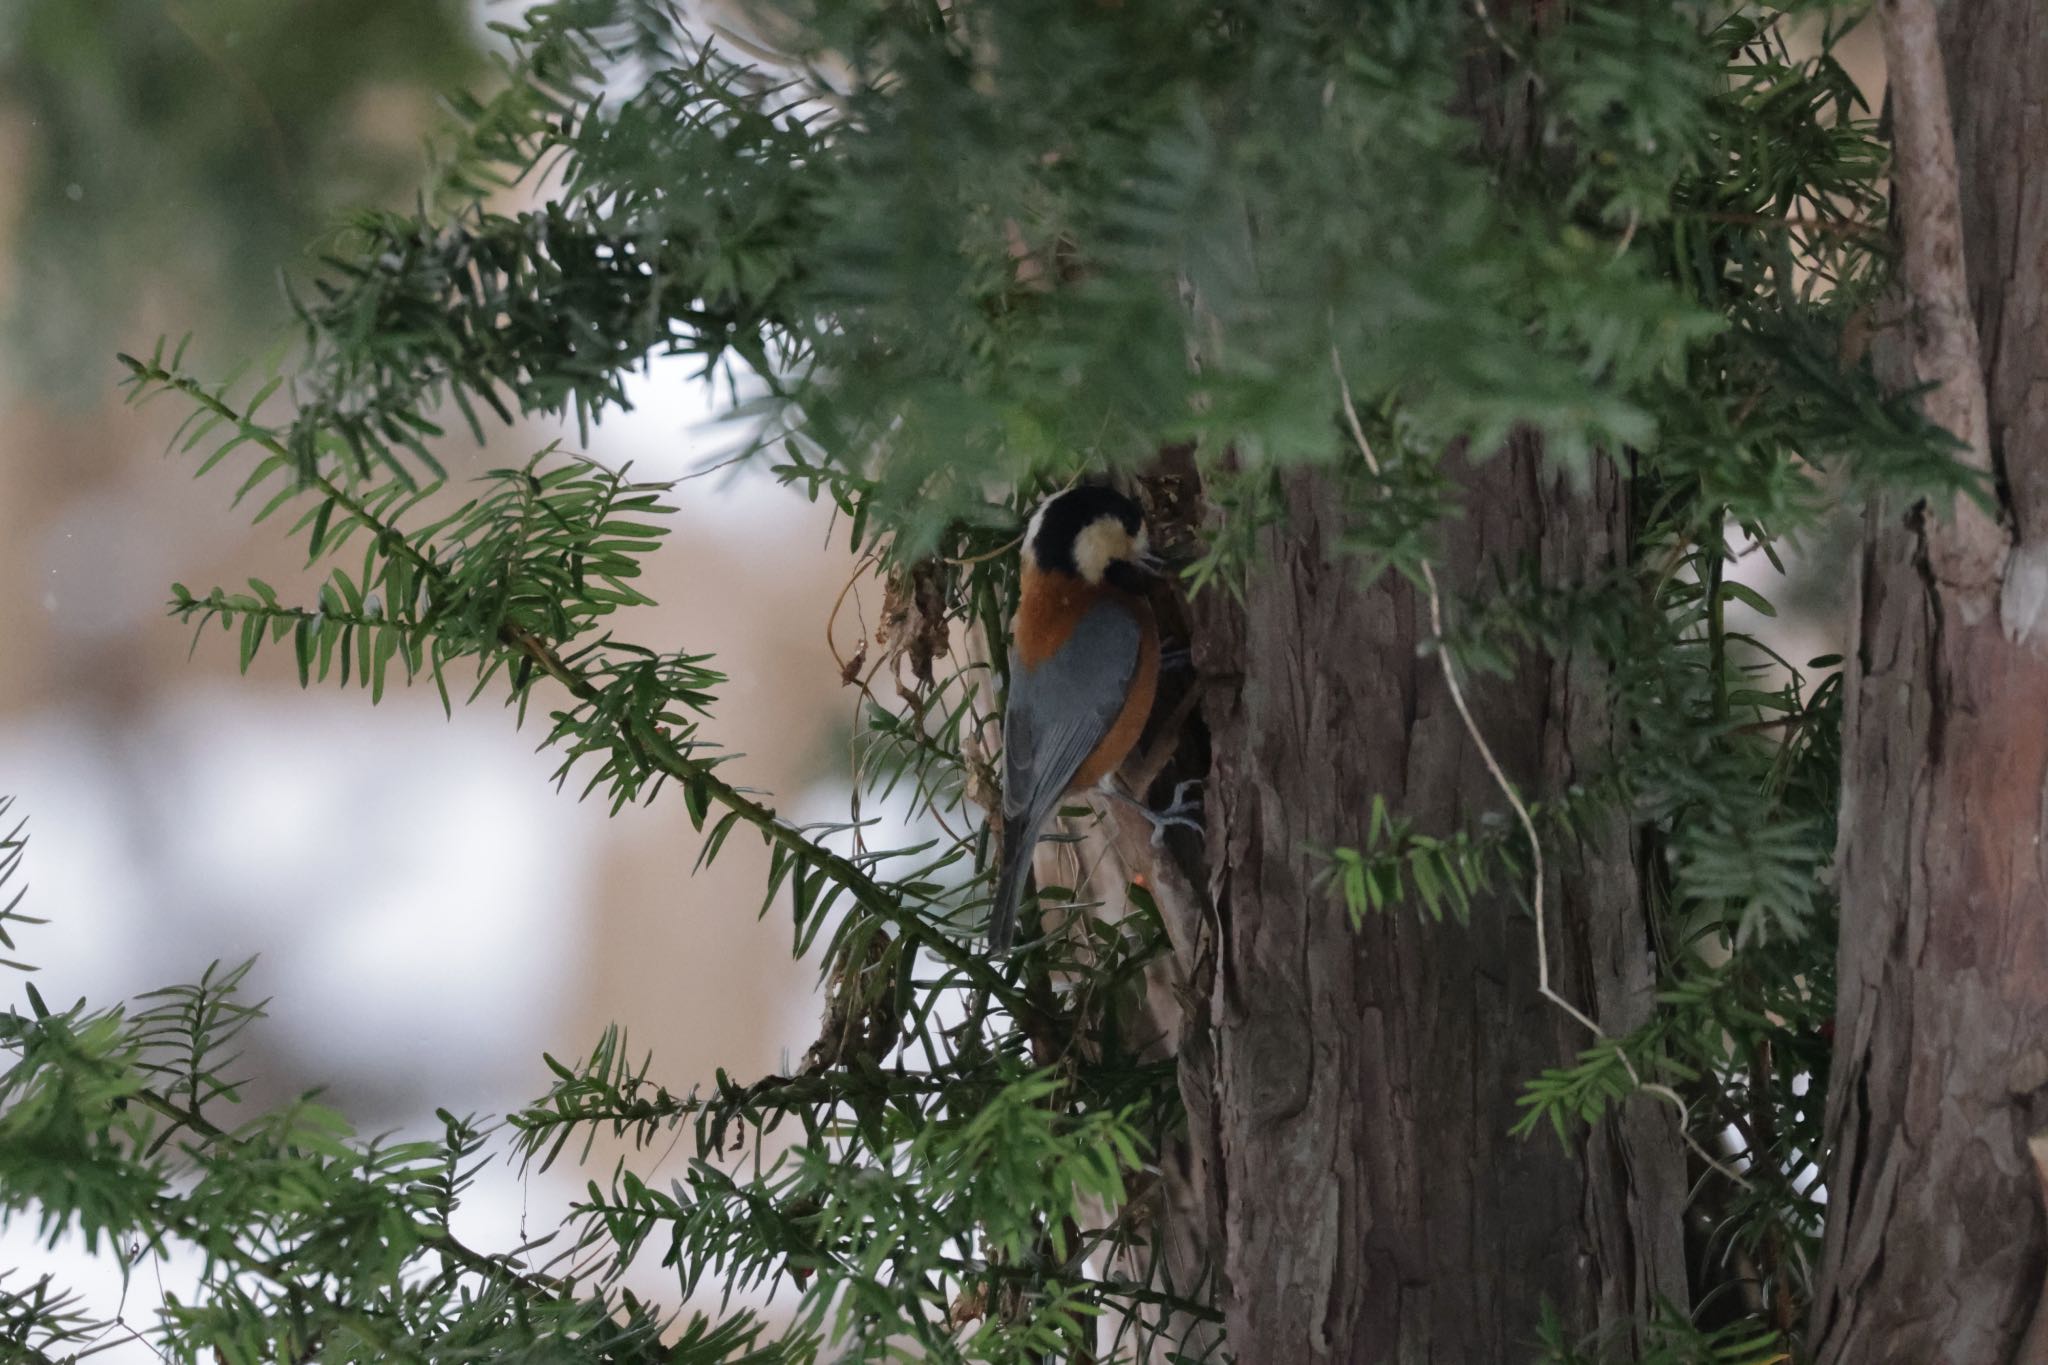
1364,1082
1936,1242
1389,1215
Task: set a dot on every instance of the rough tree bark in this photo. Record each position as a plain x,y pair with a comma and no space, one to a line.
1351,1094
1349,1172
1936,1244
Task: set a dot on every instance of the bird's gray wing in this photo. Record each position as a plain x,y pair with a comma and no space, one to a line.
1059,711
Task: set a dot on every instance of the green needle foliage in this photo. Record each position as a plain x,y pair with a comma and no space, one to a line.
956,254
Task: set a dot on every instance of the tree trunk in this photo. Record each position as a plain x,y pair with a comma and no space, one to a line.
1350,1091
1936,1243
1350,1110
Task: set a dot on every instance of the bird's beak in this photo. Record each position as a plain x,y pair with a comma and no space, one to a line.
1168,563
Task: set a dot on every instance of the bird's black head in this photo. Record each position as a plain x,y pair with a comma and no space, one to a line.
1084,531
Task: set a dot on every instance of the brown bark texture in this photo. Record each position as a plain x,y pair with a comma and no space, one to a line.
1349,1178
1936,1244
1350,1091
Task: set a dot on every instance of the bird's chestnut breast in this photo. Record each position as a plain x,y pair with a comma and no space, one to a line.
1050,605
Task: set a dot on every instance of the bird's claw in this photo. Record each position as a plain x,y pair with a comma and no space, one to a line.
1179,813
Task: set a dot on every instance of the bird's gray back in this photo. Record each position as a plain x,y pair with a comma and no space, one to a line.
1059,711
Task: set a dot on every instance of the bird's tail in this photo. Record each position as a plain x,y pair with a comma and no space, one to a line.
1016,863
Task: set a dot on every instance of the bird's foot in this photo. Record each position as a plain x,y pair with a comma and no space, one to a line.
1180,813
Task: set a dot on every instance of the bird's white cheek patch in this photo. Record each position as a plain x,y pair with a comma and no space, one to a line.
1101,542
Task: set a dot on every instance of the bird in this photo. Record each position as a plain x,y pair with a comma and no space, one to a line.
1084,669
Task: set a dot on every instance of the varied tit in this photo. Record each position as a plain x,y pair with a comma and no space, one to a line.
1084,665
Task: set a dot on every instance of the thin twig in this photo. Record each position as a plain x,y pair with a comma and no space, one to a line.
1012,543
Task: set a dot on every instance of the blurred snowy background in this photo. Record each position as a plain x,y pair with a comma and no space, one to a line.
429,914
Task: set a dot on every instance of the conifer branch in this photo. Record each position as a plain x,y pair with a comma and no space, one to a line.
866,892
440,1238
